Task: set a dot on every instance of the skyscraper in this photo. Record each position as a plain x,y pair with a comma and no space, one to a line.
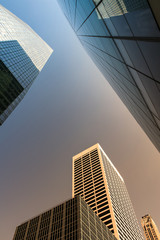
72,220
22,56
150,229
99,183
123,39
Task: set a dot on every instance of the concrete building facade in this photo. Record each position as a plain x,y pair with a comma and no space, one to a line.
150,229
100,184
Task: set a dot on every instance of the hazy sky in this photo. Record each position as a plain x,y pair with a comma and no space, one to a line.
69,108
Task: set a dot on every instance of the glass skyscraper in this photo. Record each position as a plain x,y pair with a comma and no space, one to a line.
99,183
22,56
123,39
72,220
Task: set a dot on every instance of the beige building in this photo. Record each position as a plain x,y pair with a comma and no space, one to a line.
150,229
99,183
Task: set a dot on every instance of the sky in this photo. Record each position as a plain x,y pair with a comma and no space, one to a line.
69,107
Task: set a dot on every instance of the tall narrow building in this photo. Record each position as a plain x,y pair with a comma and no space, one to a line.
99,183
150,229
23,54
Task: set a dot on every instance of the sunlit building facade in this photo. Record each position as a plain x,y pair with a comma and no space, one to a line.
72,220
123,39
150,229
23,54
99,183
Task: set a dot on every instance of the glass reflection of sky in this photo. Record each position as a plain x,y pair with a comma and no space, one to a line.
23,54
123,39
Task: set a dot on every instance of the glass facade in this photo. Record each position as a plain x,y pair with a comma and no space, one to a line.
101,186
22,56
9,87
72,220
123,39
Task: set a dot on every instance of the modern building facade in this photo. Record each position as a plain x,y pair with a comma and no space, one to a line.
22,56
99,183
123,39
150,229
72,220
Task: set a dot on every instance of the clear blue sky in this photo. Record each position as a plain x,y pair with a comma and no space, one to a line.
69,108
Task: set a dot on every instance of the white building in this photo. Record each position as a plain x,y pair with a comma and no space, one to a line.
99,183
150,229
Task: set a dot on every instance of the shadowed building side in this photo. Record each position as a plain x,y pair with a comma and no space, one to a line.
17,73
10,88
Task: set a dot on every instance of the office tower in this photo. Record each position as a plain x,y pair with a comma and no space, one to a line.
150,229
72,220
22,56
123,39
99,183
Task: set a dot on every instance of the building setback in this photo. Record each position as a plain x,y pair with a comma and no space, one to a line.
150,229
72,220
99,183
23,54
123,39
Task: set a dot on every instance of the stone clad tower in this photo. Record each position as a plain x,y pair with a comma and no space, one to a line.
150,229
100,184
